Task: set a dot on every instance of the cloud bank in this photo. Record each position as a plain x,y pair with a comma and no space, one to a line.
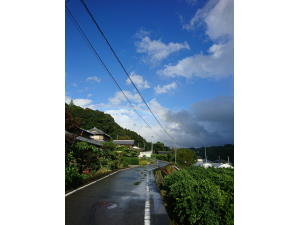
217,17
156,50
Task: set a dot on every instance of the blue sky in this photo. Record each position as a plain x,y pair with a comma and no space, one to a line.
180,55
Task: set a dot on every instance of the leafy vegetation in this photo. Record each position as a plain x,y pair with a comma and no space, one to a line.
85,162
199,196
165,157
186,157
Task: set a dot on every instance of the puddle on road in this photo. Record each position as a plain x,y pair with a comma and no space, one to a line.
108,205
114,205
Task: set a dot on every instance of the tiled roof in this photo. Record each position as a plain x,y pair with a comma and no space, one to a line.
95,130
124,142
91,141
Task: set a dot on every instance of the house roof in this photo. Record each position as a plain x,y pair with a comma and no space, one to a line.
124,142
91,141
87,131
95,130
163,152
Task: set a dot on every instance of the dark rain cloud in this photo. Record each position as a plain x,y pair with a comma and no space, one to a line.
208,122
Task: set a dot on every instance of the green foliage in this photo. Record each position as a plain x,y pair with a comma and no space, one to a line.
200,196
72,176
130,160
185,157
127,151
163,157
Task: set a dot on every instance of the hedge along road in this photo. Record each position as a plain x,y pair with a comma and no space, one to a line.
129,197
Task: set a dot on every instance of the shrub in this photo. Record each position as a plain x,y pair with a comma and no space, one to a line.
130,160
102,171
186,157
143,162
200,196
73,178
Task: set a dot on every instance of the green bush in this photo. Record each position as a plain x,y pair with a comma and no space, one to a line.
200,196
73,178
185,157
130,160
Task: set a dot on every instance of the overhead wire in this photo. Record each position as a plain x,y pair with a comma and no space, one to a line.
75,22
125,71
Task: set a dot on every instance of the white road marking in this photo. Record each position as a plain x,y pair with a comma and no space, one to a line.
72,192
147,217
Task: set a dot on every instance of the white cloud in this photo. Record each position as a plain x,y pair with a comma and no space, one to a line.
218,64
207,122
138,80
82,102
218,17
120,98
94,78
165,88
156,50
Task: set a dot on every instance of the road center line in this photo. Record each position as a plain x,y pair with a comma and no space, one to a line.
147,203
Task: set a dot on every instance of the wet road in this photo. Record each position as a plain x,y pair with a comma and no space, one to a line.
129,197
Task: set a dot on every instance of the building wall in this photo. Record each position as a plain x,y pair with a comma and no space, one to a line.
97,137
146,154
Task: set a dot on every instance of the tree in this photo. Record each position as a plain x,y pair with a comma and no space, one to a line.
70,122
186,157
158,146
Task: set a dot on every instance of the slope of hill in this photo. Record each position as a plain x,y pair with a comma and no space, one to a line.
214,152
88,118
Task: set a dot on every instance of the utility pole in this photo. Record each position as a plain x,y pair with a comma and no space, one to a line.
205,154
175,151
117,137
228,159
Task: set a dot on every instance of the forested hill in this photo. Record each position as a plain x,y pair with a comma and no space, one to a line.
88,118
214,152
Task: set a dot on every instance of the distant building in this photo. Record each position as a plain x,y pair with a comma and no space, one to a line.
129,143
147,154
98,135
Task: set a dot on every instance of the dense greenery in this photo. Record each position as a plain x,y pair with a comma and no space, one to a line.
200,196
214,152
165,157
88,118
159,146
185,157
85,161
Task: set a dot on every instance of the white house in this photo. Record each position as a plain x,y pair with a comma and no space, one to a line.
147,154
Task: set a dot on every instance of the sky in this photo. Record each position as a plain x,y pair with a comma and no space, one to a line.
179,53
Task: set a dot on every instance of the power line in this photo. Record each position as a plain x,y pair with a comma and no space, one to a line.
119,61
74,21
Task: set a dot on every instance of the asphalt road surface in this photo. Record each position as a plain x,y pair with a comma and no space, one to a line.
129,197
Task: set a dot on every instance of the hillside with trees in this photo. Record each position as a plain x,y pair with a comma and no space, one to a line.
89,118
214,152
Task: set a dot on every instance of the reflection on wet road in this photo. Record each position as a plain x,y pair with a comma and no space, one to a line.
129,197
